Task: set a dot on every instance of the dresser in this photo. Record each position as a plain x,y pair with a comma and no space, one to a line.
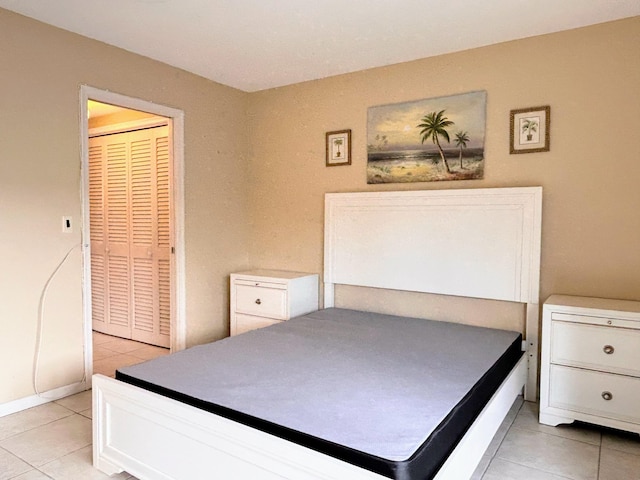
260,298
590,365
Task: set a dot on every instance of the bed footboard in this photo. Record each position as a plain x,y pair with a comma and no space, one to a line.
157,438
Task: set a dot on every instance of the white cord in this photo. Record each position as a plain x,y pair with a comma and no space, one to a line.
43,296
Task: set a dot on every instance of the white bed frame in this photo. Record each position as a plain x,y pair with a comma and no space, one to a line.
481,243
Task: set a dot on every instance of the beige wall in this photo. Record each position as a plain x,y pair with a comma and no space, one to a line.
41,70
591,210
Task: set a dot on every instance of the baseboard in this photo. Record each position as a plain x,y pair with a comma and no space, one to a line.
45,397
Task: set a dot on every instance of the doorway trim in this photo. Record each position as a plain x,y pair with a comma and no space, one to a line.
178,307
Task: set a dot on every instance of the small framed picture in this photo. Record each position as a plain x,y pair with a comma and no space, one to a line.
338,148
530,130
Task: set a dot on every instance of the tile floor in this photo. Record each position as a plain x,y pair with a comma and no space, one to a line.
53,441
524,449
110,353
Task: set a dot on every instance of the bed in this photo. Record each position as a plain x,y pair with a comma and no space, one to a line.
146,423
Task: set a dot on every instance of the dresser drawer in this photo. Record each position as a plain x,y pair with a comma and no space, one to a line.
244,323
604,320
596,347
263,300
586,391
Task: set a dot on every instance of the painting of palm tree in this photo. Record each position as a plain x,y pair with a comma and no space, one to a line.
434,125
416,141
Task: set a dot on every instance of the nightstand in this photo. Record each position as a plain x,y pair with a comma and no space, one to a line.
590,369
260,298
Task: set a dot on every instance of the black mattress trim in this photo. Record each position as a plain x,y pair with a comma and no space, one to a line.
422,465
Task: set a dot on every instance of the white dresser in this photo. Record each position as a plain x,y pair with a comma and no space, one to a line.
590,368
260,298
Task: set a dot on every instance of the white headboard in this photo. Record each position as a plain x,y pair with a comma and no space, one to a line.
482,243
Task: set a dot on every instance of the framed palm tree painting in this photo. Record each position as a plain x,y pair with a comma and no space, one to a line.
530,129
427,140
338,148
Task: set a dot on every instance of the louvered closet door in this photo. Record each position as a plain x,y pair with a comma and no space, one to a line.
150,240
129,176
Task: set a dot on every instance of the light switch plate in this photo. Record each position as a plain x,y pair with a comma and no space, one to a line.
67,225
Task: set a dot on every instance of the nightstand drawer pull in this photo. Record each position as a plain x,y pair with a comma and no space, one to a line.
258,302
607,395
608,349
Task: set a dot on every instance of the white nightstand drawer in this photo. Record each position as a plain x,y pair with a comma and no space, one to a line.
244,323
595,393
596,347
596,320
262,300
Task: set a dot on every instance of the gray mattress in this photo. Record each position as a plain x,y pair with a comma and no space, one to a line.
371,383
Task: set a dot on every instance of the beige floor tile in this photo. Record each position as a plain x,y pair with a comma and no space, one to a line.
77,466
19,422
78,402
550,453
32,475
87,413
108,366
121,345
528,419
149,352
101,351
622,441
46,443
616,465
502,470
11,466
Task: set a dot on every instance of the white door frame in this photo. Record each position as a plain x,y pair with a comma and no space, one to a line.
178,308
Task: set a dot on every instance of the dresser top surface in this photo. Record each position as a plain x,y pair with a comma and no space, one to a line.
604,304
274,274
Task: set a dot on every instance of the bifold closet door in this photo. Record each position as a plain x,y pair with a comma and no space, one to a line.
130,231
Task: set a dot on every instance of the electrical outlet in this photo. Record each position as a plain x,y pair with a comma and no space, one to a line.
67,225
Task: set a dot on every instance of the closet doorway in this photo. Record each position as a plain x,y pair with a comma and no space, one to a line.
130,179
133,217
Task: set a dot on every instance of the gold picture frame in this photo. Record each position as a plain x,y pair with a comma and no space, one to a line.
530,129
338,148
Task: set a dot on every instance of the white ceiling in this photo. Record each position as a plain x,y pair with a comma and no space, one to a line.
258,44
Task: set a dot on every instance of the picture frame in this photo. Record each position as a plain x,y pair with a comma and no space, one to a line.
338,147
530,129
427,140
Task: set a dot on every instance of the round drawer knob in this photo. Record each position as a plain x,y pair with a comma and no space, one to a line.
258,302
607,395
608,349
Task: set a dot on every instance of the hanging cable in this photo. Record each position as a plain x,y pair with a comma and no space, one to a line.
40,323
